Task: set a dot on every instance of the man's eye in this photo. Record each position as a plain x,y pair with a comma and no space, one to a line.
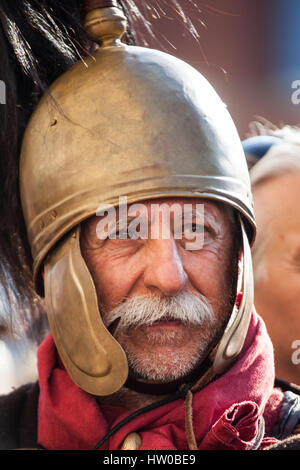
198,236
127,234
120,234
194,228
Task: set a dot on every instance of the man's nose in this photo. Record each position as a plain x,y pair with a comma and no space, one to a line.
164,270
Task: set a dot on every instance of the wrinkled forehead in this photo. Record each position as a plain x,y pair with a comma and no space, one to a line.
174,206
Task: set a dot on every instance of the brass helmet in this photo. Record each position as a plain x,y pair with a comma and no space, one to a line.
134,122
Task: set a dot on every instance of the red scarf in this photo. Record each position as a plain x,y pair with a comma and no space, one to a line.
225,413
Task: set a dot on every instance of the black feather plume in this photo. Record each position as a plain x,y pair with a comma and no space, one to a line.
39,40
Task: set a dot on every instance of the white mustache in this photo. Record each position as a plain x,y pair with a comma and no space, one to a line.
145,310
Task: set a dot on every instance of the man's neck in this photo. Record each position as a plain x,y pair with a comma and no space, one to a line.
129,399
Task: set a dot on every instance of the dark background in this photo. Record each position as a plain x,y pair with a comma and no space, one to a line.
248,49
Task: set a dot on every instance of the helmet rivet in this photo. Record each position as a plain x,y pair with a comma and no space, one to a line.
53,122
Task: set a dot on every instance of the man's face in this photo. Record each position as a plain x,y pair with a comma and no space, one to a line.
277,267
172,301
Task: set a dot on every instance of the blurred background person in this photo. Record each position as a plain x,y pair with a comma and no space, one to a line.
275,182
21,332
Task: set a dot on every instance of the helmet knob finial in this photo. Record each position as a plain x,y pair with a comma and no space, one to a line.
105,22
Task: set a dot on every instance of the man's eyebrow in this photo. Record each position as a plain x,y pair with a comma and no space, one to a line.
127,219
207,214
192,212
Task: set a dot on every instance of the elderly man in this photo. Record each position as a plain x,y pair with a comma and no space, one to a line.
140,219
275,186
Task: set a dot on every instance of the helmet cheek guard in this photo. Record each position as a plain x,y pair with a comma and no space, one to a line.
137,123
93,358
235,332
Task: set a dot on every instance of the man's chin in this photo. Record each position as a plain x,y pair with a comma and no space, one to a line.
158,374
161,336
165,353
164,371
163,363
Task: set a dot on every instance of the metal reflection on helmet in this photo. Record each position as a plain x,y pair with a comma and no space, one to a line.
131,122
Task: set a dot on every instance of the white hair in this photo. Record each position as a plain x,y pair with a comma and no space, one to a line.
146,310
282,158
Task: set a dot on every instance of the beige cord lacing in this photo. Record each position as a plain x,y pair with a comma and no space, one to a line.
188,405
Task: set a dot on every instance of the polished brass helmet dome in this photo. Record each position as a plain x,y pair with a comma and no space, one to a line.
128,121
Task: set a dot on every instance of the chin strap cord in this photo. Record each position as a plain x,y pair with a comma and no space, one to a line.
181,393
204,380
189,428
